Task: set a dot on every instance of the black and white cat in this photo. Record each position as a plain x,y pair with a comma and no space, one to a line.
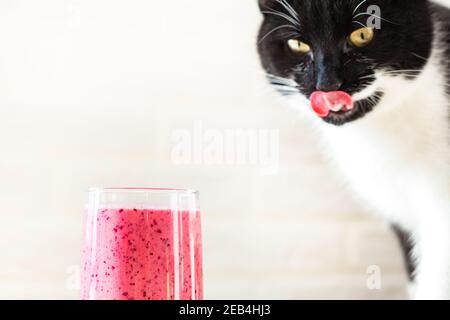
374,75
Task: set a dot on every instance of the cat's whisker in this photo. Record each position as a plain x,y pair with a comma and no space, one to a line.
290,35
289,9
360,23
284,88
402,72
279,80
286,91
288,26
282,15
268,90
358,6
372,76
283,85
411,76
373,15
272,76
406,75
418,56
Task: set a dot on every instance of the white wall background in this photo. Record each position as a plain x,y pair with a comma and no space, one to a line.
90,93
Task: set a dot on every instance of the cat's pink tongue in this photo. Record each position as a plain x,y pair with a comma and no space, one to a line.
324,102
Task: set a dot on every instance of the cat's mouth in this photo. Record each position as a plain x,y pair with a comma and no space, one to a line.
333,102
339,107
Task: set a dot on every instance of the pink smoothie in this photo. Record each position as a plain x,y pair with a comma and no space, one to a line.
145,254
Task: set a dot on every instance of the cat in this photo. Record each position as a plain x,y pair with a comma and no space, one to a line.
374,78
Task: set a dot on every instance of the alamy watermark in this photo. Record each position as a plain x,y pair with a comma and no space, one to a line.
374,278
373,14
227,147
374,20
73,278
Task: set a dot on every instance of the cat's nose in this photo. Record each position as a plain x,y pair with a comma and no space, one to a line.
327,72
328,84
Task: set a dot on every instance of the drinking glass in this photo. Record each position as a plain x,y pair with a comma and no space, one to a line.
142,244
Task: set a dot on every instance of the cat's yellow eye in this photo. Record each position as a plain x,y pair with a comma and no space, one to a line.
299,47
361,37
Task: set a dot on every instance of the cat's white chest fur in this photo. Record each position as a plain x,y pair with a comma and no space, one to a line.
397,154
397,161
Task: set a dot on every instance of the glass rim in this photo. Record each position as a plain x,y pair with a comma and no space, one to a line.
141,189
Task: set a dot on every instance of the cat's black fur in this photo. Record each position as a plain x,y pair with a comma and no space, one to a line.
404,42
407,247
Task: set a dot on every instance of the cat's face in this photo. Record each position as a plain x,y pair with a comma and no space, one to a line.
343,45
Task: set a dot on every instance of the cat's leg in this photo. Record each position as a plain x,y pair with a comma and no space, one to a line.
433,272
430,199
